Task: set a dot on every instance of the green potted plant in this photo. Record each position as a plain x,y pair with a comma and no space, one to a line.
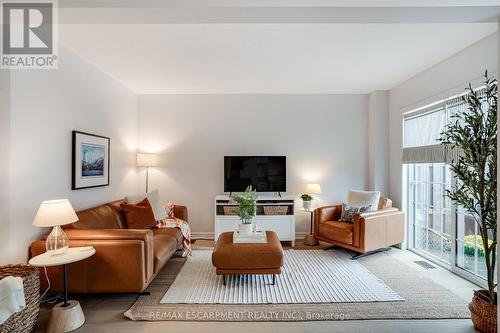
306,201
247,208
473,134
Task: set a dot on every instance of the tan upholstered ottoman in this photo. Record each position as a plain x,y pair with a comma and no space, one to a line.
241,259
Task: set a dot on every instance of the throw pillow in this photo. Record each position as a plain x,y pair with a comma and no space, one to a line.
364,198
348,212
154,200
139,215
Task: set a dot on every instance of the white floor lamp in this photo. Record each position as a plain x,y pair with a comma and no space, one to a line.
147,160
309,239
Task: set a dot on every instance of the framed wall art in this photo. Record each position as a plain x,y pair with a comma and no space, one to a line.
90,160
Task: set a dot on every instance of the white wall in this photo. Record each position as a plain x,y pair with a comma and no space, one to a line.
5,164
323,136
440,81
378,141
46,106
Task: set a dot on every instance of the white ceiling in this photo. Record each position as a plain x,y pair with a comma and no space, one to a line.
275,3
267,58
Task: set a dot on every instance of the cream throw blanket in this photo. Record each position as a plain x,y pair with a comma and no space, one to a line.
11,297
173,222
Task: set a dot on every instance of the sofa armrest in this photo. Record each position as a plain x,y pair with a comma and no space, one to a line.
181,212
123,261
380,228
374,213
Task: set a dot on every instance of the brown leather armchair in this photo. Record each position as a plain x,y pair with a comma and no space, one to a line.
126,260
369,232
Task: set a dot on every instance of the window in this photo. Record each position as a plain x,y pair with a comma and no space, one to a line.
439,230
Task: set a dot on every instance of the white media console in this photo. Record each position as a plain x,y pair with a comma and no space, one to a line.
283,225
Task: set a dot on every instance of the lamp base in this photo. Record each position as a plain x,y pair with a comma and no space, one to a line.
65,318
57,242
310,240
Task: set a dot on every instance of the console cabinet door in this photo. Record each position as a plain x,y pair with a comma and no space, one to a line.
225,223
282,225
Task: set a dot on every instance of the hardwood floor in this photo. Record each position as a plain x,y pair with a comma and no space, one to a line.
104,313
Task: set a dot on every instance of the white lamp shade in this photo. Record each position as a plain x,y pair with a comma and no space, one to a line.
147,160
55,212
313,189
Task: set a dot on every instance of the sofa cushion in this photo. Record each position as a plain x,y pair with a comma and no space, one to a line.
100,217
173,232
165,246
119,214
342,232
153,197
364,198
139,215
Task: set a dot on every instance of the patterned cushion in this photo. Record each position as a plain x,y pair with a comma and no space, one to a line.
348,212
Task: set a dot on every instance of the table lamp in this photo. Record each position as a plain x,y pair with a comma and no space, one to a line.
54,213
147,160
313,189
309,239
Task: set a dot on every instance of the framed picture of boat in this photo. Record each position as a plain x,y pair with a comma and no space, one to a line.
90,160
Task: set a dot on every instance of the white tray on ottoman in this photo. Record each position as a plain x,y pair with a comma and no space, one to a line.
254,237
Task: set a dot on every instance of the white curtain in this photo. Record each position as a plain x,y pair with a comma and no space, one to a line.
423,127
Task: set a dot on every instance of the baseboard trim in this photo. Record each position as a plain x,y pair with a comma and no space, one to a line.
210,235
202,235
301,234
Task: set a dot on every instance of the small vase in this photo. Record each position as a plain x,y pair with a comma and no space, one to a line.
245,228
307,204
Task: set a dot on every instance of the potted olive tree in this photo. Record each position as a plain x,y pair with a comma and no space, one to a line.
247,208
472,133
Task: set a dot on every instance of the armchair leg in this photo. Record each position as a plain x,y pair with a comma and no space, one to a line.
361,255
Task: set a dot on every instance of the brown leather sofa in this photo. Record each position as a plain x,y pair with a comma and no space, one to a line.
126,260
369,232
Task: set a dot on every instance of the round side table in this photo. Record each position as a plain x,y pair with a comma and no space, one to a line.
309,239
66,316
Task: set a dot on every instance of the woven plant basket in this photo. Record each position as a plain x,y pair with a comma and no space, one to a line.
275,210
24,320
230,210
483,314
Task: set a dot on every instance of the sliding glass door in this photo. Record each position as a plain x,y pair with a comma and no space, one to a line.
439,230
429,209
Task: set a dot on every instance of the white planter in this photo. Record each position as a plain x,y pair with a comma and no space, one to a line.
245,229
307,205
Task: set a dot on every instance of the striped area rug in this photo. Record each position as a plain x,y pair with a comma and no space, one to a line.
308,276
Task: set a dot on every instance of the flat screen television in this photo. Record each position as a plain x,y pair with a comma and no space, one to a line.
264,173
